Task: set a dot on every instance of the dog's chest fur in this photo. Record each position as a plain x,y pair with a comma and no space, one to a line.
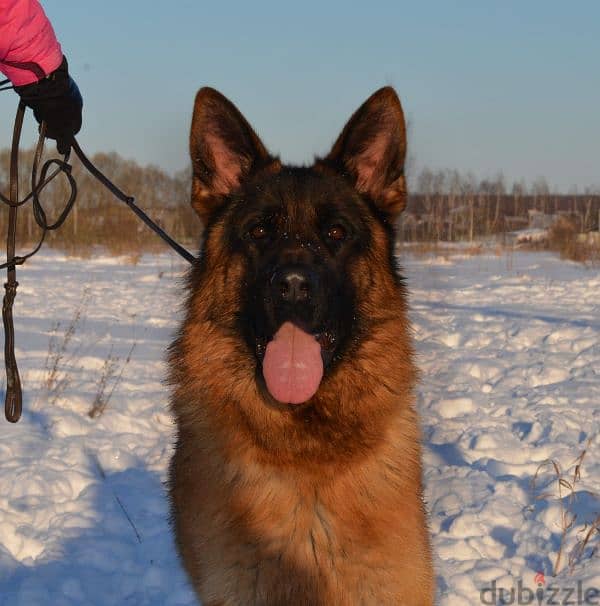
273,537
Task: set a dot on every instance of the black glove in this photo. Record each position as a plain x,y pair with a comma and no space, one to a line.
55,100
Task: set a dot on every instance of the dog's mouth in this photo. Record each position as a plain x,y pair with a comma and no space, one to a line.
294,361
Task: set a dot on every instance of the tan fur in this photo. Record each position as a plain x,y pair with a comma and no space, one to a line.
298,506
267,516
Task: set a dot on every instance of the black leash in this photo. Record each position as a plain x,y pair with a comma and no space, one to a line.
6,85
130,201
13,402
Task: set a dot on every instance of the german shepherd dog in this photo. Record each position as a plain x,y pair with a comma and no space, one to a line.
296,478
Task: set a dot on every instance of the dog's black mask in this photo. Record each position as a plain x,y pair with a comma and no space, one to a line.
299,231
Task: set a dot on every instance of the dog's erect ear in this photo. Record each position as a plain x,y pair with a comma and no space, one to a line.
371,151
224,149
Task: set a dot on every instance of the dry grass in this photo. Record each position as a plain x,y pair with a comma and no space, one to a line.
565,493
102,475
112,373
567,517
56,379
584,540
564,239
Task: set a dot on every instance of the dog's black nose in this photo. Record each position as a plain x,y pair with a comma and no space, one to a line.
293,284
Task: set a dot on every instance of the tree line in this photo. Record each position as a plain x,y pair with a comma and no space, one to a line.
443,206
450,206
98,220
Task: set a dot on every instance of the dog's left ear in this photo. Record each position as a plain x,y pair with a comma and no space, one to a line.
371,150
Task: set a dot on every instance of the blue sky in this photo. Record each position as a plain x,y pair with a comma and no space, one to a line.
487,86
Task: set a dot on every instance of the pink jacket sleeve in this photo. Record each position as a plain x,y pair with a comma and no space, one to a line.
28,46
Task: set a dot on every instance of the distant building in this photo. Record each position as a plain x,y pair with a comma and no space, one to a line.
540,220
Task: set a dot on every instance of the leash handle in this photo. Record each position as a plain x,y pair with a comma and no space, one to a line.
13,402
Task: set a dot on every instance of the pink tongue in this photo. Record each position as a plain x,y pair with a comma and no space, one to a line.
292,367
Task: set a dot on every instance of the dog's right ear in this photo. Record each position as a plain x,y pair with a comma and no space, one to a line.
224,149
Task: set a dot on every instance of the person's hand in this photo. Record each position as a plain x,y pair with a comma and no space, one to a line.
55,100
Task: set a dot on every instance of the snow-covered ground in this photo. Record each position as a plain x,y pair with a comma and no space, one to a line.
509,348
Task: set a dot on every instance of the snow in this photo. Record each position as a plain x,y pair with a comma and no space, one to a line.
509,350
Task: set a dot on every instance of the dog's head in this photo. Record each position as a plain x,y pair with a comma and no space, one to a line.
296,278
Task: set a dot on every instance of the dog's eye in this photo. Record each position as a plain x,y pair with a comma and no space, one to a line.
337,233
259,232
